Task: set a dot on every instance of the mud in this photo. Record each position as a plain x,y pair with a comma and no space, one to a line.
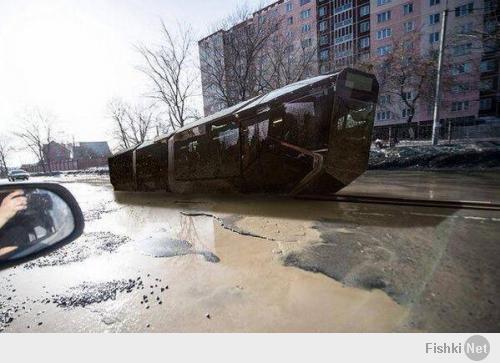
89,245
89,293
228,223
442,265
283,265
474,156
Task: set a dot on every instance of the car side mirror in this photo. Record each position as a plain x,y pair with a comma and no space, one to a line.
35,219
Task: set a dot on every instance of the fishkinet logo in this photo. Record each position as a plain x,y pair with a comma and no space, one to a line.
476,348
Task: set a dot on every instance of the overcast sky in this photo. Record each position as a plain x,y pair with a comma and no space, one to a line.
72,56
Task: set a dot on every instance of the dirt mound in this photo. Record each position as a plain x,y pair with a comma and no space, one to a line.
483,155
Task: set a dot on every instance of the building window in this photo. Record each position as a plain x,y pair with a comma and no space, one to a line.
303,2
461,68
290,20
462,49
406,96
406,112
485,104
408,8
490,26
383,2
364,42
324,68
289,6
464,10
460,87
460,105
384,33
384,99
434,18
323,40
323,26
306,28
433,2
434,37
486,85
383,115
304,14
487,65
324,54
364,26
342,8
465,28
386,49
322,11
409,26
364,10
385,16
407,45
306,43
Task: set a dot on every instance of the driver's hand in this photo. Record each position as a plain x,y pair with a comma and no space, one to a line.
11,204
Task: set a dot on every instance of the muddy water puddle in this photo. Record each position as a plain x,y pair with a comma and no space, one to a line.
223,274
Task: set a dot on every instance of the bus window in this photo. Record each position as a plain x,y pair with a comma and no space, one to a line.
224,149
190,154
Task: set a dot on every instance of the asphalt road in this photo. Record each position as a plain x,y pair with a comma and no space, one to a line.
159,262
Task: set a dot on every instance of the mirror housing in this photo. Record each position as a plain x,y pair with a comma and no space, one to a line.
47,218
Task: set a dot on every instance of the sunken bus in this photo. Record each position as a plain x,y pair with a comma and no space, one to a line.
309,137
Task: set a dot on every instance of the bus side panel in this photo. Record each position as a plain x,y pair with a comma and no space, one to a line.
350,139
152,167
121,171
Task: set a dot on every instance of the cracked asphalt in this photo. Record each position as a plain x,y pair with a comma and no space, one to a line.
157,262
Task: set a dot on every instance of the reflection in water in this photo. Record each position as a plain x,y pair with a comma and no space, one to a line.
193,236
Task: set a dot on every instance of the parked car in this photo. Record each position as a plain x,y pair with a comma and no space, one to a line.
18,174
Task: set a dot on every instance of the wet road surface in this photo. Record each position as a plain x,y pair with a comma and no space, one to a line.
158,262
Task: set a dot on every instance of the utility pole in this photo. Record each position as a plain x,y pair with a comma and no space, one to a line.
437,96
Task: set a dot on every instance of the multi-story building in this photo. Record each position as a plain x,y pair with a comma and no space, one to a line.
394,21
489,96
212,55
343,33
295,23
363,32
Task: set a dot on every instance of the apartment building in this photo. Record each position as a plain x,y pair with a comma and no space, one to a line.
295,21
395,21
343,33
351,32
489,90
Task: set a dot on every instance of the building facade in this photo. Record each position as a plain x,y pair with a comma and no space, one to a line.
291,27
343,33
364,32
468,65
489,96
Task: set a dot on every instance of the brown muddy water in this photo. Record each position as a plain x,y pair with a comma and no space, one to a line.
163,263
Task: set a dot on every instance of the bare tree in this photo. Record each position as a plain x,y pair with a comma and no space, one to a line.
406,75
5,150
229,60
285,60
133,124
117,110
484,26
169,67
36,132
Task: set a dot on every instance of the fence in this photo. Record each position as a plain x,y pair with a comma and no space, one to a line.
65,165
449,130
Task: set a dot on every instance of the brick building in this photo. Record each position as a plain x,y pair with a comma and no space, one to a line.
77,156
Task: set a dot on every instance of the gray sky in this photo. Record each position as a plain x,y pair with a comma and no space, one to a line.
72,56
